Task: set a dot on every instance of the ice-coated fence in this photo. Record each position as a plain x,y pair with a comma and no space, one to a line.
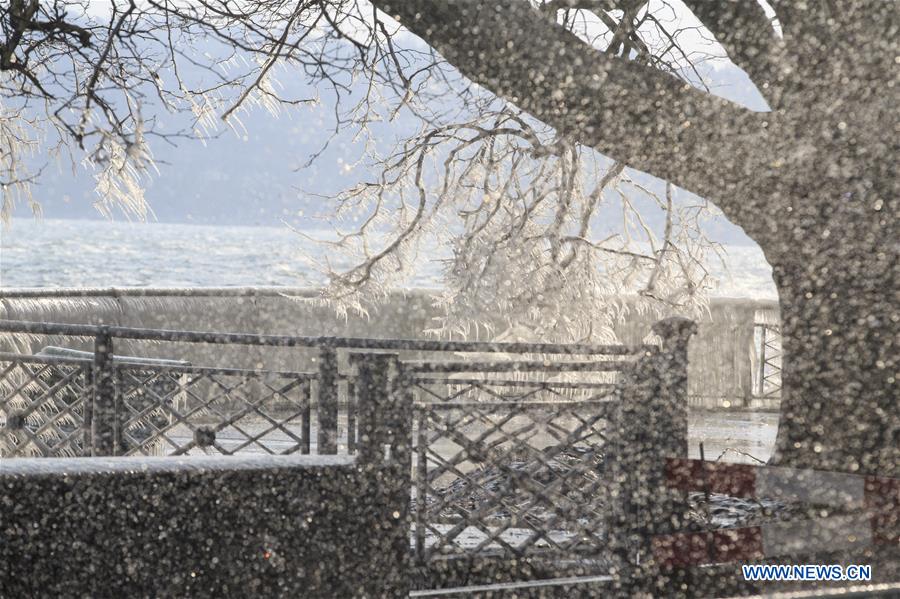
514,459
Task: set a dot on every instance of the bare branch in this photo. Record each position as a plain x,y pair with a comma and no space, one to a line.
633,113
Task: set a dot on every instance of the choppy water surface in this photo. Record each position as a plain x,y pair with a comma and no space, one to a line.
70,253
83,253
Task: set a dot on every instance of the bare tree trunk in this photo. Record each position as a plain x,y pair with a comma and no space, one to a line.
840,321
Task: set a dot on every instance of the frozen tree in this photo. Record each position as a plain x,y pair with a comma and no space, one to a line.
18,142
812,180
488,176
513,205
514,216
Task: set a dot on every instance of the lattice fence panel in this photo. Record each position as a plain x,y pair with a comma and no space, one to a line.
213,411
42,408
771,383
767,376
511,468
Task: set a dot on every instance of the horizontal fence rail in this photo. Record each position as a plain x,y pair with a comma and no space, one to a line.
66,402
518,365
78,330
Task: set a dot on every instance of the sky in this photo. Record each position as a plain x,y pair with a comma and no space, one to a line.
254,178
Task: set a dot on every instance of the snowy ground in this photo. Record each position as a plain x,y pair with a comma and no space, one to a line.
737,435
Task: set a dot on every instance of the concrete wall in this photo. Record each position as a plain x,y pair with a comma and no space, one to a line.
721,354
294,526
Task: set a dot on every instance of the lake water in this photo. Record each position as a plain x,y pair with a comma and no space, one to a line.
86,253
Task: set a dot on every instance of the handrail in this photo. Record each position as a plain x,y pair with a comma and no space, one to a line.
85,330
421,367
77,354
556,385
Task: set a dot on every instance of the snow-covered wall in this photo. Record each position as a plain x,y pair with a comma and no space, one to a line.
198,527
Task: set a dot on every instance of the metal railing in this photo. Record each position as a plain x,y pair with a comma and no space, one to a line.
513,468
54,406
767,378
524,467
502,453
119,407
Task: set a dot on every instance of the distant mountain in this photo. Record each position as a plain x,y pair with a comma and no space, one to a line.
254,180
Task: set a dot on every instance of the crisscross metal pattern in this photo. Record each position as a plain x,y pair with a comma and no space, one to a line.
179,411
768,377
41,407
771,383
510,468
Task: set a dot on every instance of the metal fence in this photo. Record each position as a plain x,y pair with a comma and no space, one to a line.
177,411
767,379
43,407
511,467
102,403
66,407
505,453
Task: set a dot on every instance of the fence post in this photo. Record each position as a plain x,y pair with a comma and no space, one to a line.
306,416
372,391
327,404
761,387
384,447
671,405
382,410
88,414
352,403
652,427
104,433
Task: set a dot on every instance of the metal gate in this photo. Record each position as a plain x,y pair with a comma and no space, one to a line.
510,468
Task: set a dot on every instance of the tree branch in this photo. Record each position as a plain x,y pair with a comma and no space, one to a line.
747,35
630,112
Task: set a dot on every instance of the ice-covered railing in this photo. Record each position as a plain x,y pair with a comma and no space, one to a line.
724,369
96,403
507,454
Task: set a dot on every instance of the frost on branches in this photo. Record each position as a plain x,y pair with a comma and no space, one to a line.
537,235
